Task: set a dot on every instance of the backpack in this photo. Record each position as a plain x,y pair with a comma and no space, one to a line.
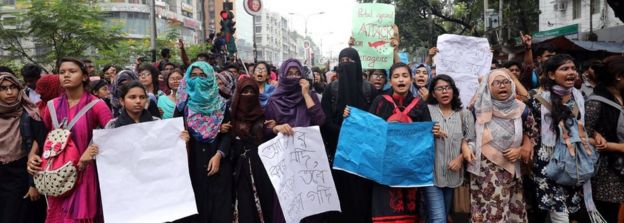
397,114
60,155
573,159
616,161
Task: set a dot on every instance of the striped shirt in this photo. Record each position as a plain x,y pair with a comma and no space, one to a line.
449,147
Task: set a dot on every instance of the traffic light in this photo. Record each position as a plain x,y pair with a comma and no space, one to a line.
228,29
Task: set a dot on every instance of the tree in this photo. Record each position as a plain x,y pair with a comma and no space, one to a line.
58,28
421,21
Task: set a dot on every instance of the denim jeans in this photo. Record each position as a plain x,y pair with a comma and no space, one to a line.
439,200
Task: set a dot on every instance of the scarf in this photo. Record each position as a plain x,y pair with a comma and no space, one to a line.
498,125
264,96
205,106
125,119
246,110
414,88
49,87
548,135
228,85
285,105
10,116
350,82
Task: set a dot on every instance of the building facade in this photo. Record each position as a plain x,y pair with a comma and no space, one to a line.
596,14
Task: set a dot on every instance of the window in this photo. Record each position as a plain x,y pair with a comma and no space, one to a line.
137,2
173,5
576,9
595,6
8,2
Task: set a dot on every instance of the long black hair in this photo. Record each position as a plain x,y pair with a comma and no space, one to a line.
456,103
559,111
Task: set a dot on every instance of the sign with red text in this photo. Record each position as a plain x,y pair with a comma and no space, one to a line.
372,31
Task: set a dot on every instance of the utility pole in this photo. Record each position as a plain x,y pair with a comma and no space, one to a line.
485,17
153,25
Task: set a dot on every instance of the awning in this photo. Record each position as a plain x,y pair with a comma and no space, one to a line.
563,42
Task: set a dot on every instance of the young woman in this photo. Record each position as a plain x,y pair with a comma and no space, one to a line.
253,189
22,130
384,197
293,104
148,76
211,174
133,97
558,89
82,204
603,122
350,89
502,140
227,85
452,149
261,74
377,78
166,103
422,75
100,89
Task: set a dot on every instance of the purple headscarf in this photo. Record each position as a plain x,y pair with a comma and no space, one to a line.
285,105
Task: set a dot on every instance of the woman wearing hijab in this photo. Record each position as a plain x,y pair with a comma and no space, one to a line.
350,89
503,127
82,203
261,75
227,85
293,104
254,192
211,174
422,75
22,130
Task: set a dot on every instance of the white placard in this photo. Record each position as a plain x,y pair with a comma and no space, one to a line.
143,172
300,173
465,59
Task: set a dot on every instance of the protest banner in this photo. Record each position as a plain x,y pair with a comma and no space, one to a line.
465,59
392,154
144,177
299,171
372,31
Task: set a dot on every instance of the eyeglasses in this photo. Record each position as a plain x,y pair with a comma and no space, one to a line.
377,76
6,88
443,88
499,84
145,74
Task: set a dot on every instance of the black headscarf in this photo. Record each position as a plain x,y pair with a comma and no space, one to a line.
350,81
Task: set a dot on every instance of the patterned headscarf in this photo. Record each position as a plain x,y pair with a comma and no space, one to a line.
229,83
498,125
205,106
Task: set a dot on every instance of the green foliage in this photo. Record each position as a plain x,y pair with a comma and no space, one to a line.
62,27
421,21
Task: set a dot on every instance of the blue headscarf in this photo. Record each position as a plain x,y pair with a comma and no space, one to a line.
203,92
206,107
414,89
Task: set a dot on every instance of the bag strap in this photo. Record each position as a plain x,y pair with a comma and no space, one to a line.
81,113
388,98
606,101
575,109
52,110
411,105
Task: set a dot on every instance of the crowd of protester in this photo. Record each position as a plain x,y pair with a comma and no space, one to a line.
500,146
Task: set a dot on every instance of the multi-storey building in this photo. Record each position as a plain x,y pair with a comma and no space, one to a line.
576,17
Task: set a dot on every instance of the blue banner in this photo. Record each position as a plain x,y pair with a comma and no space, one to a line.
393,154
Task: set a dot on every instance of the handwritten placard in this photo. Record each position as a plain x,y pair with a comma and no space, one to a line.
299,171
465,59
392,154
372,30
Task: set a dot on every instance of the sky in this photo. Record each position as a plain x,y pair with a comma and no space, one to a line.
333,27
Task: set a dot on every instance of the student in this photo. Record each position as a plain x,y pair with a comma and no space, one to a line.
503,127
22,130
383,206
261,75
602,115
378,78
210,169
254,193
100,89
452,149
166,103
82,203
422,76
